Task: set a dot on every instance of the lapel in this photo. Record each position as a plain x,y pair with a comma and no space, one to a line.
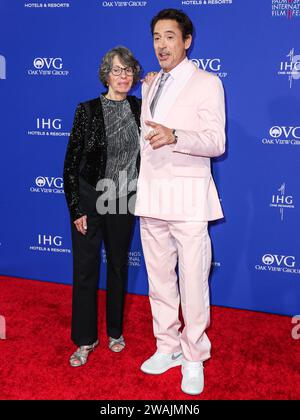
98,126
175,89
147,94
167,100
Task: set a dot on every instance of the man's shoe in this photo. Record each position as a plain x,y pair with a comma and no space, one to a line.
160,363
192,377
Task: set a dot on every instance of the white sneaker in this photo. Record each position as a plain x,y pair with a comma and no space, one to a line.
160,363
192,377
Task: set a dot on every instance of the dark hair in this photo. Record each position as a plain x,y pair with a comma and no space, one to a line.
179,16
126,57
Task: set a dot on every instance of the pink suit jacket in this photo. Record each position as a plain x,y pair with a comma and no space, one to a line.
175,181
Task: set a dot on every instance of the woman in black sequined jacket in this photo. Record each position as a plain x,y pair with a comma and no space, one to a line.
104,142
86,155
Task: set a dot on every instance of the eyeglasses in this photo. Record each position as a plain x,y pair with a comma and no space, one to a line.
117,71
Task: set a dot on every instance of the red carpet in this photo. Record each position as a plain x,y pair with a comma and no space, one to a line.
254,355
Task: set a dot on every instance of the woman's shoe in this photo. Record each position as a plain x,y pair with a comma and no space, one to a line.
116,344
80,356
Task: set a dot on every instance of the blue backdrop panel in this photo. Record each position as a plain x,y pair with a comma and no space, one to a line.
49,58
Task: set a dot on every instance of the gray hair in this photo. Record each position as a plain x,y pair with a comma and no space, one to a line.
127,59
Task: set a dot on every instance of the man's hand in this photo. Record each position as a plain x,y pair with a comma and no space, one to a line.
81,224
149,77
159,135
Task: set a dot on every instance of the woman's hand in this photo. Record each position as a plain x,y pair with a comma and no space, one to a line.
81,224
149,77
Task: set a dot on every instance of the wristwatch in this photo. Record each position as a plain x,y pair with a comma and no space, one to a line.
175,136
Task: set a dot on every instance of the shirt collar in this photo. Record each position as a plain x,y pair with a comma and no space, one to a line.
177,70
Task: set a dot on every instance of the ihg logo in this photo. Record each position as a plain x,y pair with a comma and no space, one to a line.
49,240
48,123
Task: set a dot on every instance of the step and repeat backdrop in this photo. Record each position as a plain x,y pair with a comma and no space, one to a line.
49,58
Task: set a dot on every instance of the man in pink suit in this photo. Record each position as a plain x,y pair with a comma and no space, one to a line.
183,120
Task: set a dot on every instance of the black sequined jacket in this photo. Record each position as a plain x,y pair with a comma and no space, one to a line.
87,150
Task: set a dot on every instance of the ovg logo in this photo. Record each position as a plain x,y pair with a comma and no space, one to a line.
46,184
279,260
268,259
38,63
278,263
283,135
285,132
2,67
282,200
291,67
55,63
210,64
275,132
40,181
48,66
124,3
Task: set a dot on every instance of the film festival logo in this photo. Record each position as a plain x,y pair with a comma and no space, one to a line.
48,67
283,135
2,67
278,263
206,2
213,65
48,185
49,243
291,67
286,8
282,201
134,258
48,127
